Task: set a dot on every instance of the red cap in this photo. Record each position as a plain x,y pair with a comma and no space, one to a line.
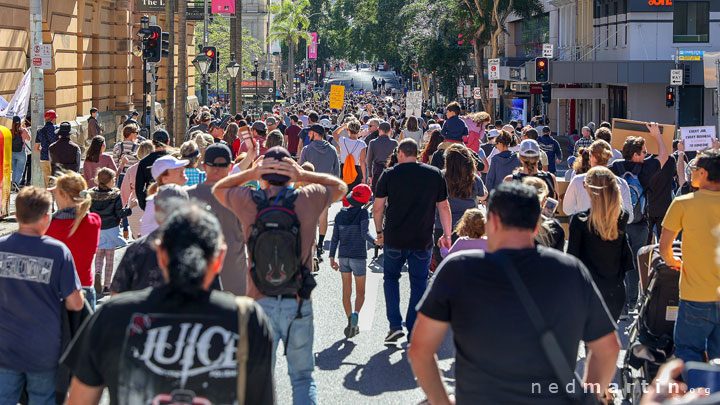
359,195
50,115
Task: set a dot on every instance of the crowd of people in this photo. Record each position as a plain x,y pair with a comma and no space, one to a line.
242,206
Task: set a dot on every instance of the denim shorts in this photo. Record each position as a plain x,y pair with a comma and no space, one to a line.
354,266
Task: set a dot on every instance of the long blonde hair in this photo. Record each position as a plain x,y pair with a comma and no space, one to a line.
74,186
605,202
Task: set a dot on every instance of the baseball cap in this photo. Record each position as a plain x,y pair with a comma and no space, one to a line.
134,112
16,120
529,148
215,124
385,126
278,153
493,133
161,136
167,162
433,127
498,123
359,195
325,123
259,126
218,155
270,121
50,115
317,128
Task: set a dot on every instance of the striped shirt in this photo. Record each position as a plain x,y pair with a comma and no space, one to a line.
583,142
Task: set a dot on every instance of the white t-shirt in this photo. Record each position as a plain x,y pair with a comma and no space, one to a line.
348,146
577,199
147,223
417,135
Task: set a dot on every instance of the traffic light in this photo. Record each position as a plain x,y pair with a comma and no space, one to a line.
165,44
670,96
542,70
547,93
271,75
415,76
152,45
211,52
302,77
263,75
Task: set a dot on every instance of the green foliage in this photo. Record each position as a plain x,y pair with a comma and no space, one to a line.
290,23
219,37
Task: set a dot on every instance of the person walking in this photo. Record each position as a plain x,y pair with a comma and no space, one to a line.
529,154
76,227
189,151
144,177
290,312
413,191
96,159
503,163
597,237
352,153
165,170
413,131
583,142
233,332
107,203
38,279
350,231
551,147
45,137
94,128
378,152
127,190
20,135
64,153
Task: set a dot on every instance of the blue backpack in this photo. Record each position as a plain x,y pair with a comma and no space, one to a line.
637,194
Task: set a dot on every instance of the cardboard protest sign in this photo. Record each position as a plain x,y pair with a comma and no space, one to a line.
337,96
697,138
622,129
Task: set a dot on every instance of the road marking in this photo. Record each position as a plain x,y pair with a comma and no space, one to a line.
372,285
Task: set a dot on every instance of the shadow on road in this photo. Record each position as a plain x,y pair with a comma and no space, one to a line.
378,375
332,357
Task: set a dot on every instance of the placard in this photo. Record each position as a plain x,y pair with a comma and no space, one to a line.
697,138
625,128
413,104
337,96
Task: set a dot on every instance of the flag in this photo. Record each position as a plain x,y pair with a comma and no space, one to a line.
21,99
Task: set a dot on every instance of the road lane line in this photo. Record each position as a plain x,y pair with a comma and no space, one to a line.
372,285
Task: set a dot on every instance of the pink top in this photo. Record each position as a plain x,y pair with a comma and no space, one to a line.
90,168
127,189
465,243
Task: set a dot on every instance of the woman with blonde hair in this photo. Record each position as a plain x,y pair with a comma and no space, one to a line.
75,226
598,238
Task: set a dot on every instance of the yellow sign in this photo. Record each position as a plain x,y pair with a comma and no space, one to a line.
5,160
337,96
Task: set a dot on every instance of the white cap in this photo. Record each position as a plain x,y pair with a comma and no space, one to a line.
325,123
529,148
493,133
433,127
166,162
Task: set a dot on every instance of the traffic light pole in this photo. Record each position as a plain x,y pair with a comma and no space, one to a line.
144,107
152,99
677,93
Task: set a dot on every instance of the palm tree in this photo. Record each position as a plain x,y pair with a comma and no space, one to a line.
289,25
181,90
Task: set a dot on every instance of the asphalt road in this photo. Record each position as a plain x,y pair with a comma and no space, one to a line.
361,79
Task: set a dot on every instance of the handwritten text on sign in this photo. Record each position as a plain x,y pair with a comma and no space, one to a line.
337,96
697,138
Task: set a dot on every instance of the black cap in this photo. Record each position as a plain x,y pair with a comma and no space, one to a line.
224,121
278,153
318,129
259,126
16,120
161,136
218,155
498,123
65,129
215,124
133,112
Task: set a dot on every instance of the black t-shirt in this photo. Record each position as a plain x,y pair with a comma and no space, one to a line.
412,191
499,358
656,181
146,348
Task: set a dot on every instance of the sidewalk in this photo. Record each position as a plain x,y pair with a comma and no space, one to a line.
8,224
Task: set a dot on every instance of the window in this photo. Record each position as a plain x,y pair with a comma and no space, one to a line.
616,27
607,25
691,21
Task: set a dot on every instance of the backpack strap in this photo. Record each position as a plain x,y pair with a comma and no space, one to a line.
260,199
288,195
243,351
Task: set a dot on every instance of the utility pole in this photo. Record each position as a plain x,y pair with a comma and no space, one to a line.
37,90
170,86
677,92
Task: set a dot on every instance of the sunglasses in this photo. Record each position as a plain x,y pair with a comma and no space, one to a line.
694,167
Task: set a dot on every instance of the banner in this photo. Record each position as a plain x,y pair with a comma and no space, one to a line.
337,96
5,162
223,6
312,48
413,104
19,103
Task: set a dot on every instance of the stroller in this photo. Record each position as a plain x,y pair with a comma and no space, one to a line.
651,333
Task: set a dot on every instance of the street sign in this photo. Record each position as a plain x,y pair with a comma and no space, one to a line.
676,77
697,138
337,96
493,91
468,91
493,69
477,93
42,56
685,54
460,90
547,51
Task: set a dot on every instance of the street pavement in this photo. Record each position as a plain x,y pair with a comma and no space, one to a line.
361,79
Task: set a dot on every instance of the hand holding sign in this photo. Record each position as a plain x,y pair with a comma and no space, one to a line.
698,138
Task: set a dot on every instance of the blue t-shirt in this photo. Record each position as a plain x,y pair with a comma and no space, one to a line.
36,274
46,137
454,129
551,147
304,136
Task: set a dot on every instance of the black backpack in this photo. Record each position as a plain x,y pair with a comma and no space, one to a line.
275,246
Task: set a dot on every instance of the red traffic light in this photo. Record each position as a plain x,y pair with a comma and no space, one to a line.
541,63
154,35
209,53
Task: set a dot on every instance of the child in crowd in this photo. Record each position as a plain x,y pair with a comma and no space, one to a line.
349,234
189,151
470,229
107,203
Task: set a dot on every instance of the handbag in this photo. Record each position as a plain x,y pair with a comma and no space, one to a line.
548,340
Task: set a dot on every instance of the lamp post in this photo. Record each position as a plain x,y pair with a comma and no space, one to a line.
257,99
202,64
233,68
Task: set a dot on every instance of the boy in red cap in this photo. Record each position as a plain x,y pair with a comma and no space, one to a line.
350,233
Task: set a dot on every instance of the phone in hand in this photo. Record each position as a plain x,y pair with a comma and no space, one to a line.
549,207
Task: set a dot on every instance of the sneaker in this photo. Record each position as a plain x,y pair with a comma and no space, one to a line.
319,253
316,265
394,335
106,290
355,327
349,328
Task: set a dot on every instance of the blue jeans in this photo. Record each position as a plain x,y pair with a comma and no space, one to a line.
418,262
281,312
90,296
17,166
697,330
40,387
637,233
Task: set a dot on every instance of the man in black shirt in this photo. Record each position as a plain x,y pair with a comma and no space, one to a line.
144,177
177,343
413,191
499,356
655,174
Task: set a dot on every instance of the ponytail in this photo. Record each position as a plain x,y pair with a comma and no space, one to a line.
74,186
